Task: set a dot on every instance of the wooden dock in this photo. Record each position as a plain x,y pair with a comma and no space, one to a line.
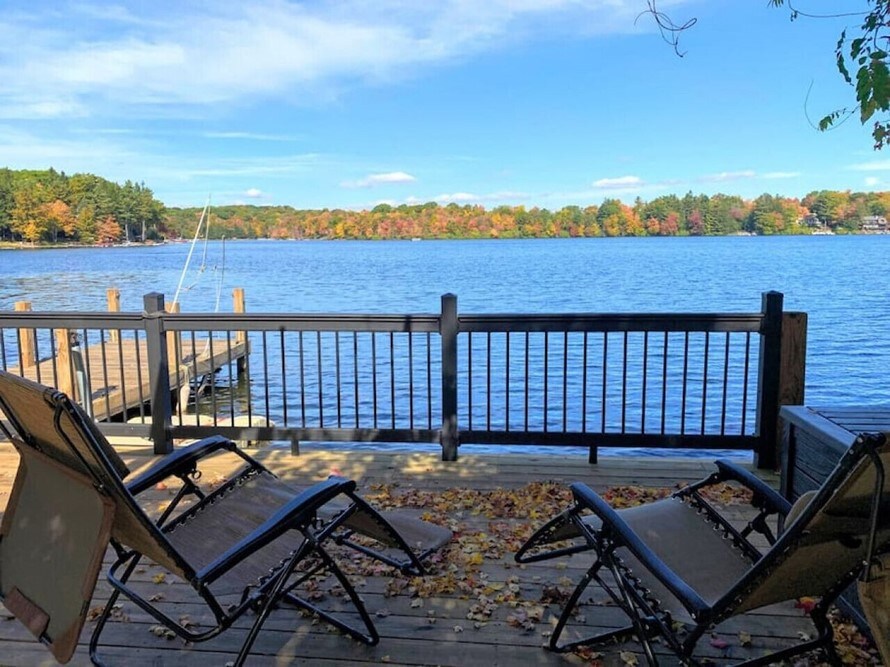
477,608
117,370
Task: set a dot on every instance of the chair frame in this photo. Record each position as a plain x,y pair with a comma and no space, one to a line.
647,620
299,514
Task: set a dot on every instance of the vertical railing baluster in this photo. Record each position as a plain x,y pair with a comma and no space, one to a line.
266,397
664,381
355,373
546,378
645,379
138,372
53,356
725,386
704,388
488,380
374,374
526,380
212,375
470,380
3,363
302,376
507,385
103,355
116,338
229,362
745,381
244,372
565,380
392,380
337,368
624,385
283,363
605,378
411,380
320,379
429,380
685,376
584,384
195,377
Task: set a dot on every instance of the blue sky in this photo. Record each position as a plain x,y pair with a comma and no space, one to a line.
351,103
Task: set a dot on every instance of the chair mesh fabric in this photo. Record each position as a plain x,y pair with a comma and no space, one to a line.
690,545
55,530
205,534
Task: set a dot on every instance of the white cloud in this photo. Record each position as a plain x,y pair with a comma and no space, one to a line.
781,174
249,136
874,165
622,183
872,181
210,54
725,176
253,193
373,180
456,198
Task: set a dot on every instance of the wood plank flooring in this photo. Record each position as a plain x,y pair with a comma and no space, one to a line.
444,625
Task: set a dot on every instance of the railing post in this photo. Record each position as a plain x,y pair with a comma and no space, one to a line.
27,358
448,329
239,306
158,373
768,379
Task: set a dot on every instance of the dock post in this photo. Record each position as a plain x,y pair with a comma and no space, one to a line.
27,358
64,366
158,373
238,306
768,379
113,298
448,330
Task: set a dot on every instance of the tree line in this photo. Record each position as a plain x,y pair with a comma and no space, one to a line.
48,206
51,207
669,215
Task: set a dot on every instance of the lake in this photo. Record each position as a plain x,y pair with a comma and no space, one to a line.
840,281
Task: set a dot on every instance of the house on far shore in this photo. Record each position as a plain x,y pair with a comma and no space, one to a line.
874,224
812,221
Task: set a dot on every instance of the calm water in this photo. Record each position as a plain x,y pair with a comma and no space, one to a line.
841,282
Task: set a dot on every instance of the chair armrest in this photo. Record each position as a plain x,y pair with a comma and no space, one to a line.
765,497
626,537
179,462
297,512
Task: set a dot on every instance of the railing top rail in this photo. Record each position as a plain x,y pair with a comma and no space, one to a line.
70,319
596,322
302,322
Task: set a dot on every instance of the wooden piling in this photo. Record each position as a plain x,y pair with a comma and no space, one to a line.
64,368
27,345
239,306
113,296
174,341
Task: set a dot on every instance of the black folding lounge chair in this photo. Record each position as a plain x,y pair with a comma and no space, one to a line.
253,540
677,567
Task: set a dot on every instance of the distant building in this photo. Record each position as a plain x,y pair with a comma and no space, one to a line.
874,224
812,220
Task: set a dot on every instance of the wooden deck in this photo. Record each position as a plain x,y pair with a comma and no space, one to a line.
434,628
118,372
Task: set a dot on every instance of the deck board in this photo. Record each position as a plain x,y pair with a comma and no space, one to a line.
436,632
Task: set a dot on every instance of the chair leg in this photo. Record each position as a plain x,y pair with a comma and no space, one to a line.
368,634
106,614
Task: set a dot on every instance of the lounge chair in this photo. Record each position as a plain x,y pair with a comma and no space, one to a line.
253,539
677,566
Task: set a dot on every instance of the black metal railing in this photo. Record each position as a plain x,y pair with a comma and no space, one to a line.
617,380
